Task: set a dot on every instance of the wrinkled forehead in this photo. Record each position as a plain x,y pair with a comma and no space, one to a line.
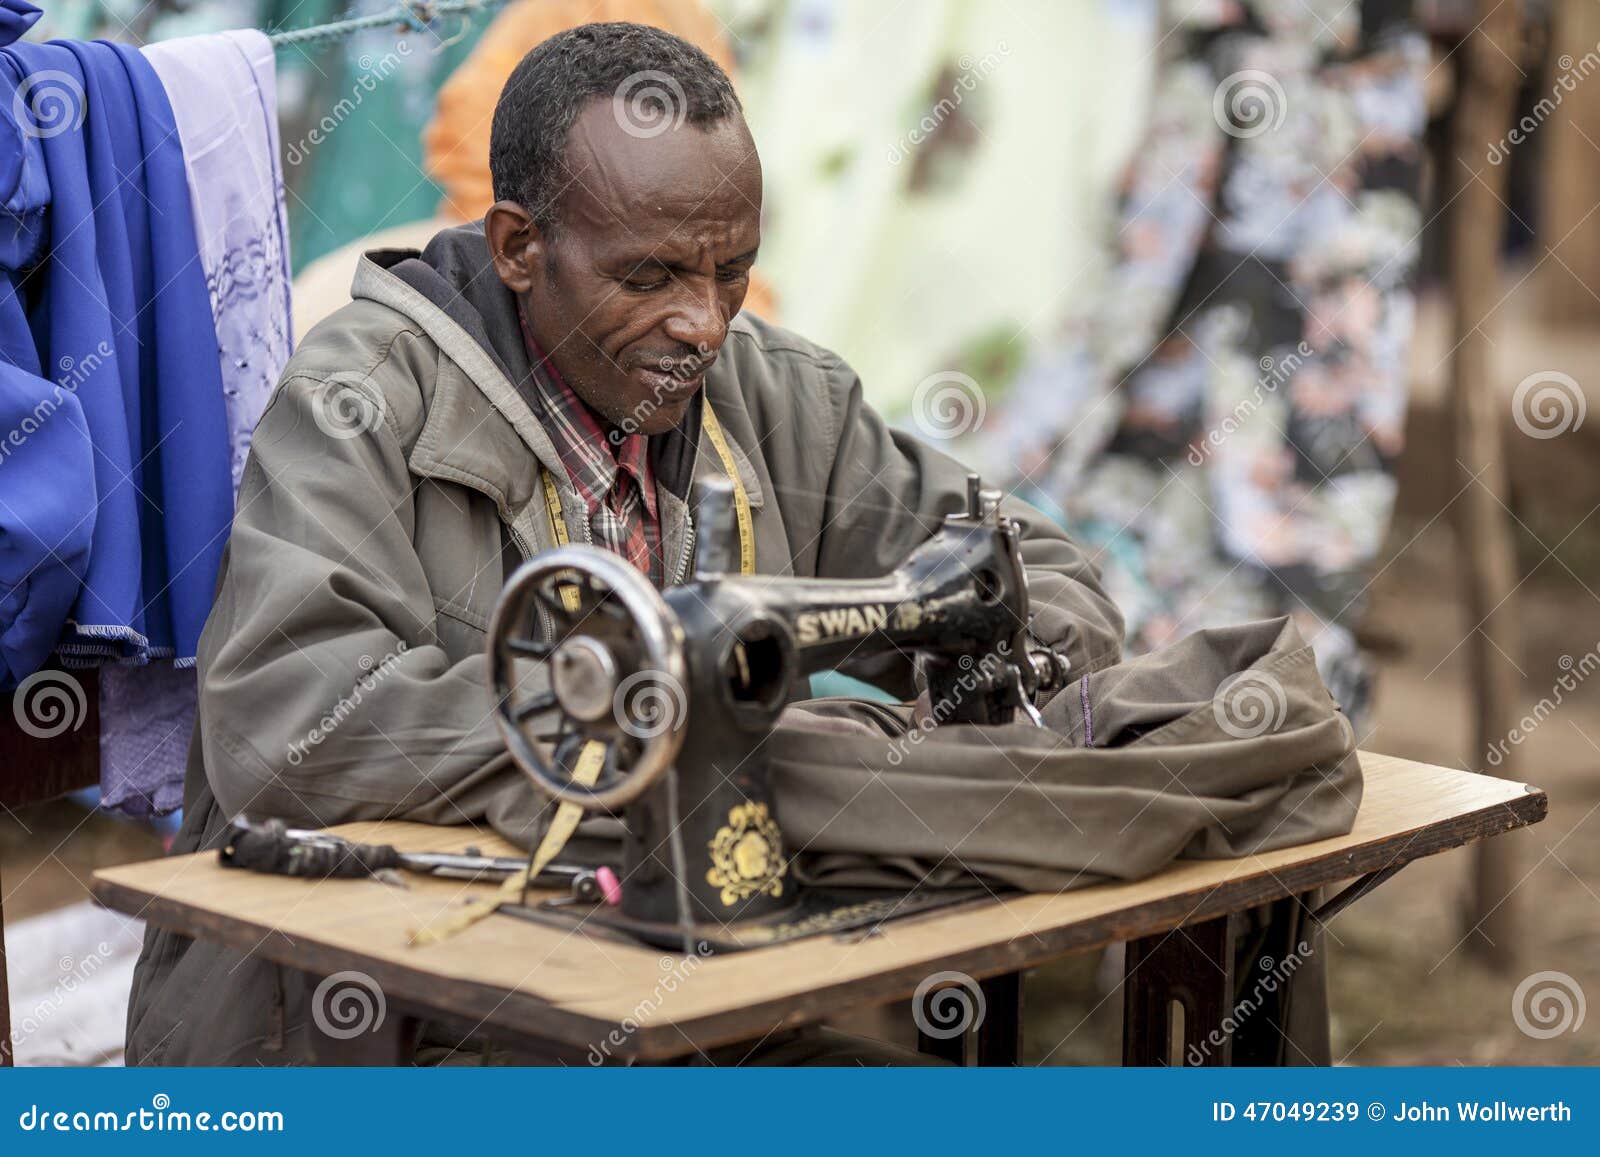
661,180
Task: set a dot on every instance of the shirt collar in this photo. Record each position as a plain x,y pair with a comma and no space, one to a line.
591,453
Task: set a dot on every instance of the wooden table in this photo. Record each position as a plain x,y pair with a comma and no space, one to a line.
535,987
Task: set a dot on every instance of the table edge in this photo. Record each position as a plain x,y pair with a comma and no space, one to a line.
520,1014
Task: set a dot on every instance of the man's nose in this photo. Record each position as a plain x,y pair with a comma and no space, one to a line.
697,319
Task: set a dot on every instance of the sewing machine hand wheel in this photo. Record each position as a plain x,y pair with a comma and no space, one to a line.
616,675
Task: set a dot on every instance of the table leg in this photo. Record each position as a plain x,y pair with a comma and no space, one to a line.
394,1043
1000,1034
1280,997
368,1041
1187,972
947,1048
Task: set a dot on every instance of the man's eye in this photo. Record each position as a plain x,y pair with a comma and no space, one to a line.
732,274
639,285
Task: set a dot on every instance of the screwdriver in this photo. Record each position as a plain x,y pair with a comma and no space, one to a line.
276,849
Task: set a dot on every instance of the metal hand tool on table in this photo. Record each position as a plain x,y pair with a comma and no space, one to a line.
273,847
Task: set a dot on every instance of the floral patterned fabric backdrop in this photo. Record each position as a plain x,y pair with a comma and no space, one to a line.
1223,427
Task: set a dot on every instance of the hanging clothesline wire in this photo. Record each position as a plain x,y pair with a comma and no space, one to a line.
414,16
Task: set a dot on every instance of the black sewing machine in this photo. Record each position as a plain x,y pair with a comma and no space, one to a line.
658,703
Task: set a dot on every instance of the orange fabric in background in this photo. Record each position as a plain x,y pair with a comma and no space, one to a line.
455,142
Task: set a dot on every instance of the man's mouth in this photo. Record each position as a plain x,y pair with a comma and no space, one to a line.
666,386
669,376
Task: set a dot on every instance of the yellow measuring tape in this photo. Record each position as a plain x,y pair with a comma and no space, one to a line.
591,759
587,769
741,500
510,891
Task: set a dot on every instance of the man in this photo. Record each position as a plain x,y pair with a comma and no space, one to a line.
587,334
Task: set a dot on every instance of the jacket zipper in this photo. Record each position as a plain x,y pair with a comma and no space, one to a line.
685,556
688,515
688,550
541,616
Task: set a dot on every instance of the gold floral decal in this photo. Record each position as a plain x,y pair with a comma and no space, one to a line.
747,855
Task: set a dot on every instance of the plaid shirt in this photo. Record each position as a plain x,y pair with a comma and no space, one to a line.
613,477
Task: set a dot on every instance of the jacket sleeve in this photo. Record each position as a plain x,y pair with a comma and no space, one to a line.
324,693
887,493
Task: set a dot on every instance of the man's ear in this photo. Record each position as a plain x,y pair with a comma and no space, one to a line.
515,244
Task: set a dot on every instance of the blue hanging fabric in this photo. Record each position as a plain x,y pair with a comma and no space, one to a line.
104,275
47,507
16,17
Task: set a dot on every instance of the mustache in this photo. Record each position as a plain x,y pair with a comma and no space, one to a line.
683,362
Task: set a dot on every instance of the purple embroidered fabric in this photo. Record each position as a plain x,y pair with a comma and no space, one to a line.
224,100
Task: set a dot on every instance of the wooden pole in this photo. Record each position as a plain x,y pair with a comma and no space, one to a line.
1487,92
1569,167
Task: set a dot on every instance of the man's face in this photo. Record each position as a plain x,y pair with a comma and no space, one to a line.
630,295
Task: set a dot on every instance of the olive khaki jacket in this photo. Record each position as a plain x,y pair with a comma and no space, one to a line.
392,486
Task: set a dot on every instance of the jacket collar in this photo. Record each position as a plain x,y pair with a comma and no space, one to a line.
479,428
